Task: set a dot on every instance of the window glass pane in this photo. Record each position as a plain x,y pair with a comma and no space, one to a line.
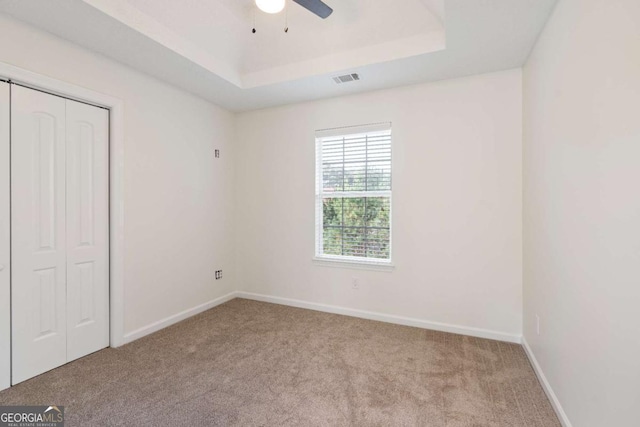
332,240
377,212
357,226
331,212
379,176
354,242
333,178
356,162
353,211
378,243
379,163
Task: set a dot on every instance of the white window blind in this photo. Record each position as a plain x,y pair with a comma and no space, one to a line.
353,194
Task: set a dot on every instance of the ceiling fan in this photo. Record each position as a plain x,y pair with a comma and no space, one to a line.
317,7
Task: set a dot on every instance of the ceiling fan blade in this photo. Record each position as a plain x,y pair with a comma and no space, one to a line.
316,6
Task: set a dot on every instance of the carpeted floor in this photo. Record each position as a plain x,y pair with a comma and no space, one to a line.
255,364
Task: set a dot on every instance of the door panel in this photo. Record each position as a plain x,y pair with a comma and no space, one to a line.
38,243
5,274
87,229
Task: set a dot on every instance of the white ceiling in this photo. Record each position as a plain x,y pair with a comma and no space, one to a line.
223,29
207,47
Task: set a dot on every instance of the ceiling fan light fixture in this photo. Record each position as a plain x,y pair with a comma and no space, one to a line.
270,6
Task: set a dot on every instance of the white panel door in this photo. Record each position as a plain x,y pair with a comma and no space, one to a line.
38,243
5,259
87,229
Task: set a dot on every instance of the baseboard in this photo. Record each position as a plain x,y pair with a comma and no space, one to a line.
388,318
363,314
161,324
546,386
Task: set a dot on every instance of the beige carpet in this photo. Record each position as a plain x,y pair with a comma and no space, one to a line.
256,364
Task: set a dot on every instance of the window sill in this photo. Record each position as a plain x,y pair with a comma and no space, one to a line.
353,264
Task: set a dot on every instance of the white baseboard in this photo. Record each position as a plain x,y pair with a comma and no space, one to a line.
388,318
161,324
546,386
363,314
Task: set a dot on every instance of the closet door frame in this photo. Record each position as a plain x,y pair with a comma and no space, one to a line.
5,237
16,75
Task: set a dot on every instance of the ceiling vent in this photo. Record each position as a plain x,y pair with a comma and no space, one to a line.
346,78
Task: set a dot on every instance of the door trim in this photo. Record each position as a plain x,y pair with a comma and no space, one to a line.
116,179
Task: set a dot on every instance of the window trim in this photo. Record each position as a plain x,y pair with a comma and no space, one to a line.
342,260
352,263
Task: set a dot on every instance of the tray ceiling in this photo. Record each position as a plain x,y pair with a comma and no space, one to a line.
207,47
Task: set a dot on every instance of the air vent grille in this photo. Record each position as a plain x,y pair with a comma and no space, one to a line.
346,78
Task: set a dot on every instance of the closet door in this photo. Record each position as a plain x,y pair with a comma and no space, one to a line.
38,244
87,229
5,276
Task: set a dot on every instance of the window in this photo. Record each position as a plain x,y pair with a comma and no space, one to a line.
353,194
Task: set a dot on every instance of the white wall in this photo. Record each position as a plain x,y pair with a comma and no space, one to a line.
582,209
178,199
457,235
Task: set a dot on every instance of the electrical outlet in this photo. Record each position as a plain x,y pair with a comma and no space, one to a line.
537,324
218,274
217,152
355,283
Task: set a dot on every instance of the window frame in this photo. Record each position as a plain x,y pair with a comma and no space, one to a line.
343,260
